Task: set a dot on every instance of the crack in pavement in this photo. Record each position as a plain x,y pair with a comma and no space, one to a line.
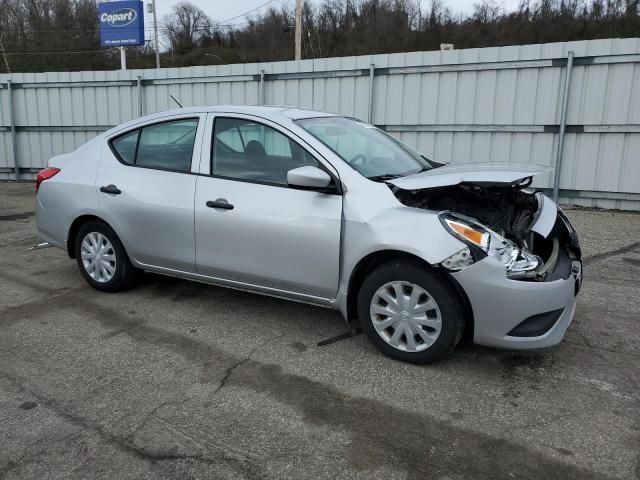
26,455
569,341
18,241
233,367
124,443
611,253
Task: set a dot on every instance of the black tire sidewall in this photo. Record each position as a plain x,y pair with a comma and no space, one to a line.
124,270
438,287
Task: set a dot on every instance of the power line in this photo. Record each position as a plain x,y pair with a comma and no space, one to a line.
49,52
247,13
147,28
66,29
208,27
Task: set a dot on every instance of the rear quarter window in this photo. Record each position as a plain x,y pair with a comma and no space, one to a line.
125,146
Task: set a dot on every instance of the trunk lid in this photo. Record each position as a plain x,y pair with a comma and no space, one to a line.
484,174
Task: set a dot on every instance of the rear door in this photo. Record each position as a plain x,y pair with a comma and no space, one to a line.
268,234
151,168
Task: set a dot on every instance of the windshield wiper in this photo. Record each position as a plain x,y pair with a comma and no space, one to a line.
384,177
392,176
433,163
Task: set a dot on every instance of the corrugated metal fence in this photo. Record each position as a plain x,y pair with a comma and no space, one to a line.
491,104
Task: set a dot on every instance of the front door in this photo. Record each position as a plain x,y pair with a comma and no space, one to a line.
251,227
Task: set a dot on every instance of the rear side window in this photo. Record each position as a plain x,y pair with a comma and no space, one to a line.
164,146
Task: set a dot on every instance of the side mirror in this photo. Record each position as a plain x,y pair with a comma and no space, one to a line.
308,178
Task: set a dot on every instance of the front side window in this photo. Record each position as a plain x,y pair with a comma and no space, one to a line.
366,148
250,151
165,146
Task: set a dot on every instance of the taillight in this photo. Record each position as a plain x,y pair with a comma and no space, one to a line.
45,174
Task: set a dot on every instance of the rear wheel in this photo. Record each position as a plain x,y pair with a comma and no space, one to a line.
410,313
102,259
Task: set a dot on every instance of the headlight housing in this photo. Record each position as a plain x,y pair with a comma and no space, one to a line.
482,241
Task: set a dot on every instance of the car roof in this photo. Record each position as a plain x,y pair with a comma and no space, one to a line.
293,113
276,113
266,111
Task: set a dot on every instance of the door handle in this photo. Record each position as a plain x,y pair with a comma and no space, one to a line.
220,203
112,189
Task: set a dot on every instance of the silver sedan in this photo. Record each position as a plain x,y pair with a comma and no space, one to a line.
321,209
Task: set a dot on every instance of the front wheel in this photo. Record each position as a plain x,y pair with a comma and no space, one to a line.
410,313
102,259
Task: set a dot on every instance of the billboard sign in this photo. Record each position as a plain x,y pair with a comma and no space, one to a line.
121,23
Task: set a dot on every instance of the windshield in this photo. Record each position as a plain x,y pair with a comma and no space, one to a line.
372,152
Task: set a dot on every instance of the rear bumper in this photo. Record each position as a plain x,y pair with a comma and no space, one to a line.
49,225
499,304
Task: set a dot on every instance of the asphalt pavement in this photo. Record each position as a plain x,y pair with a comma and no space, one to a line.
175,379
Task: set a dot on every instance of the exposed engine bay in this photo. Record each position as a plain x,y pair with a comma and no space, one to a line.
509,210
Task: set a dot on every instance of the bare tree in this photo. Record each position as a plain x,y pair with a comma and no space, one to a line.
58,35
487,11
186,25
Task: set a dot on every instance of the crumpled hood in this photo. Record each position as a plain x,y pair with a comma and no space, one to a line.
485,174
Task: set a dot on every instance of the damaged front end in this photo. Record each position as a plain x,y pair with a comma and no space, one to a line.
520,228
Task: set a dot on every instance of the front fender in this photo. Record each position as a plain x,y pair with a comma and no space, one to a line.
407,230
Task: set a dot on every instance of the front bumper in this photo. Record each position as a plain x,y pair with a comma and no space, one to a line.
500,304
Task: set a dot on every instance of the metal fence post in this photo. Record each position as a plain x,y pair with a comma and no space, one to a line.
14,142
372,72
139,85
262,88
563,125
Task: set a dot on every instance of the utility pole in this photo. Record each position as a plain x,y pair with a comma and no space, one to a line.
298,34
155,33
4,55
123,59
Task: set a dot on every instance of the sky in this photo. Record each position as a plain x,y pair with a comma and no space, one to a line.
224,10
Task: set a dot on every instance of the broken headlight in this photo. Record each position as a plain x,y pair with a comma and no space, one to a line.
482,241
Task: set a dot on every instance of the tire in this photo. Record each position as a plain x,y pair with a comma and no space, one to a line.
118,273
441,327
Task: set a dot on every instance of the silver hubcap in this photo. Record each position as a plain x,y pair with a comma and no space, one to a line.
406,316
98,257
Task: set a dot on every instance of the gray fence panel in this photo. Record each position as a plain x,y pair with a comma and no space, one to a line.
492,104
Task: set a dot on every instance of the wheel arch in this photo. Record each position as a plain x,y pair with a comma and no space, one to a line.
75,226
380,257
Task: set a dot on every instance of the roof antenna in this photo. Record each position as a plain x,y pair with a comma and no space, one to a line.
174,99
